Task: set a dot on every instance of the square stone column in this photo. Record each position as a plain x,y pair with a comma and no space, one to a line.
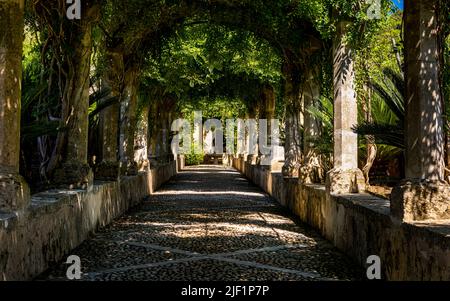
74,172
292,147
293,122
251,144
108,168
128,110
14,192
423,194
310,171
345,176
141,142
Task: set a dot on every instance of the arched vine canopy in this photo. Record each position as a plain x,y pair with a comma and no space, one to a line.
195,51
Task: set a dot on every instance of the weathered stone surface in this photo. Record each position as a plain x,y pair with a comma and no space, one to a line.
361,225
141,141
14,193
60,220
292,148
11,33
128,121
109,131
310,171
417,201
73,175
345,102
424,106
341,181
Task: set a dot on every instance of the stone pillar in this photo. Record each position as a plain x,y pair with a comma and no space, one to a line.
154,121
267,112
164,135
293,153
292,147
14,192
108,169
252,135
424,194
128,110
310,172
74,171
160,146
141,141
345,177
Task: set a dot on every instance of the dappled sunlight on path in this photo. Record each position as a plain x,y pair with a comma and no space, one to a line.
209,223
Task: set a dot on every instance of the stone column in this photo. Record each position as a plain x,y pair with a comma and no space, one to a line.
424,194
293,153
345,177
167,119
310,171
128,110
162,140
153,130
267,112
292,147
141,141
14,192
74,171
108,169
252,136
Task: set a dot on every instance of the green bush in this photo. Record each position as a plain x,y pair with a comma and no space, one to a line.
193,159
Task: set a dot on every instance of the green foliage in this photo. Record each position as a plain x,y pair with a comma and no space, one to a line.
194,159
323,144
212,61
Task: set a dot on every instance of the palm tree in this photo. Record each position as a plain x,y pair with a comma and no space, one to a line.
388,123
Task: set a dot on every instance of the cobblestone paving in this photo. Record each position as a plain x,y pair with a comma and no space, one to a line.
209,223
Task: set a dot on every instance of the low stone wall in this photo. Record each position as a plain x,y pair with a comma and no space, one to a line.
360,225
60,220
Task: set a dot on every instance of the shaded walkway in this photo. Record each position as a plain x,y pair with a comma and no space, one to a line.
209,223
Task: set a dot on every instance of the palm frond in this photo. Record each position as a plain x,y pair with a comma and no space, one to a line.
394,102
397,78
388,134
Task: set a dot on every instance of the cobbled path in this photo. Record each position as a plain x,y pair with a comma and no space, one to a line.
209,223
